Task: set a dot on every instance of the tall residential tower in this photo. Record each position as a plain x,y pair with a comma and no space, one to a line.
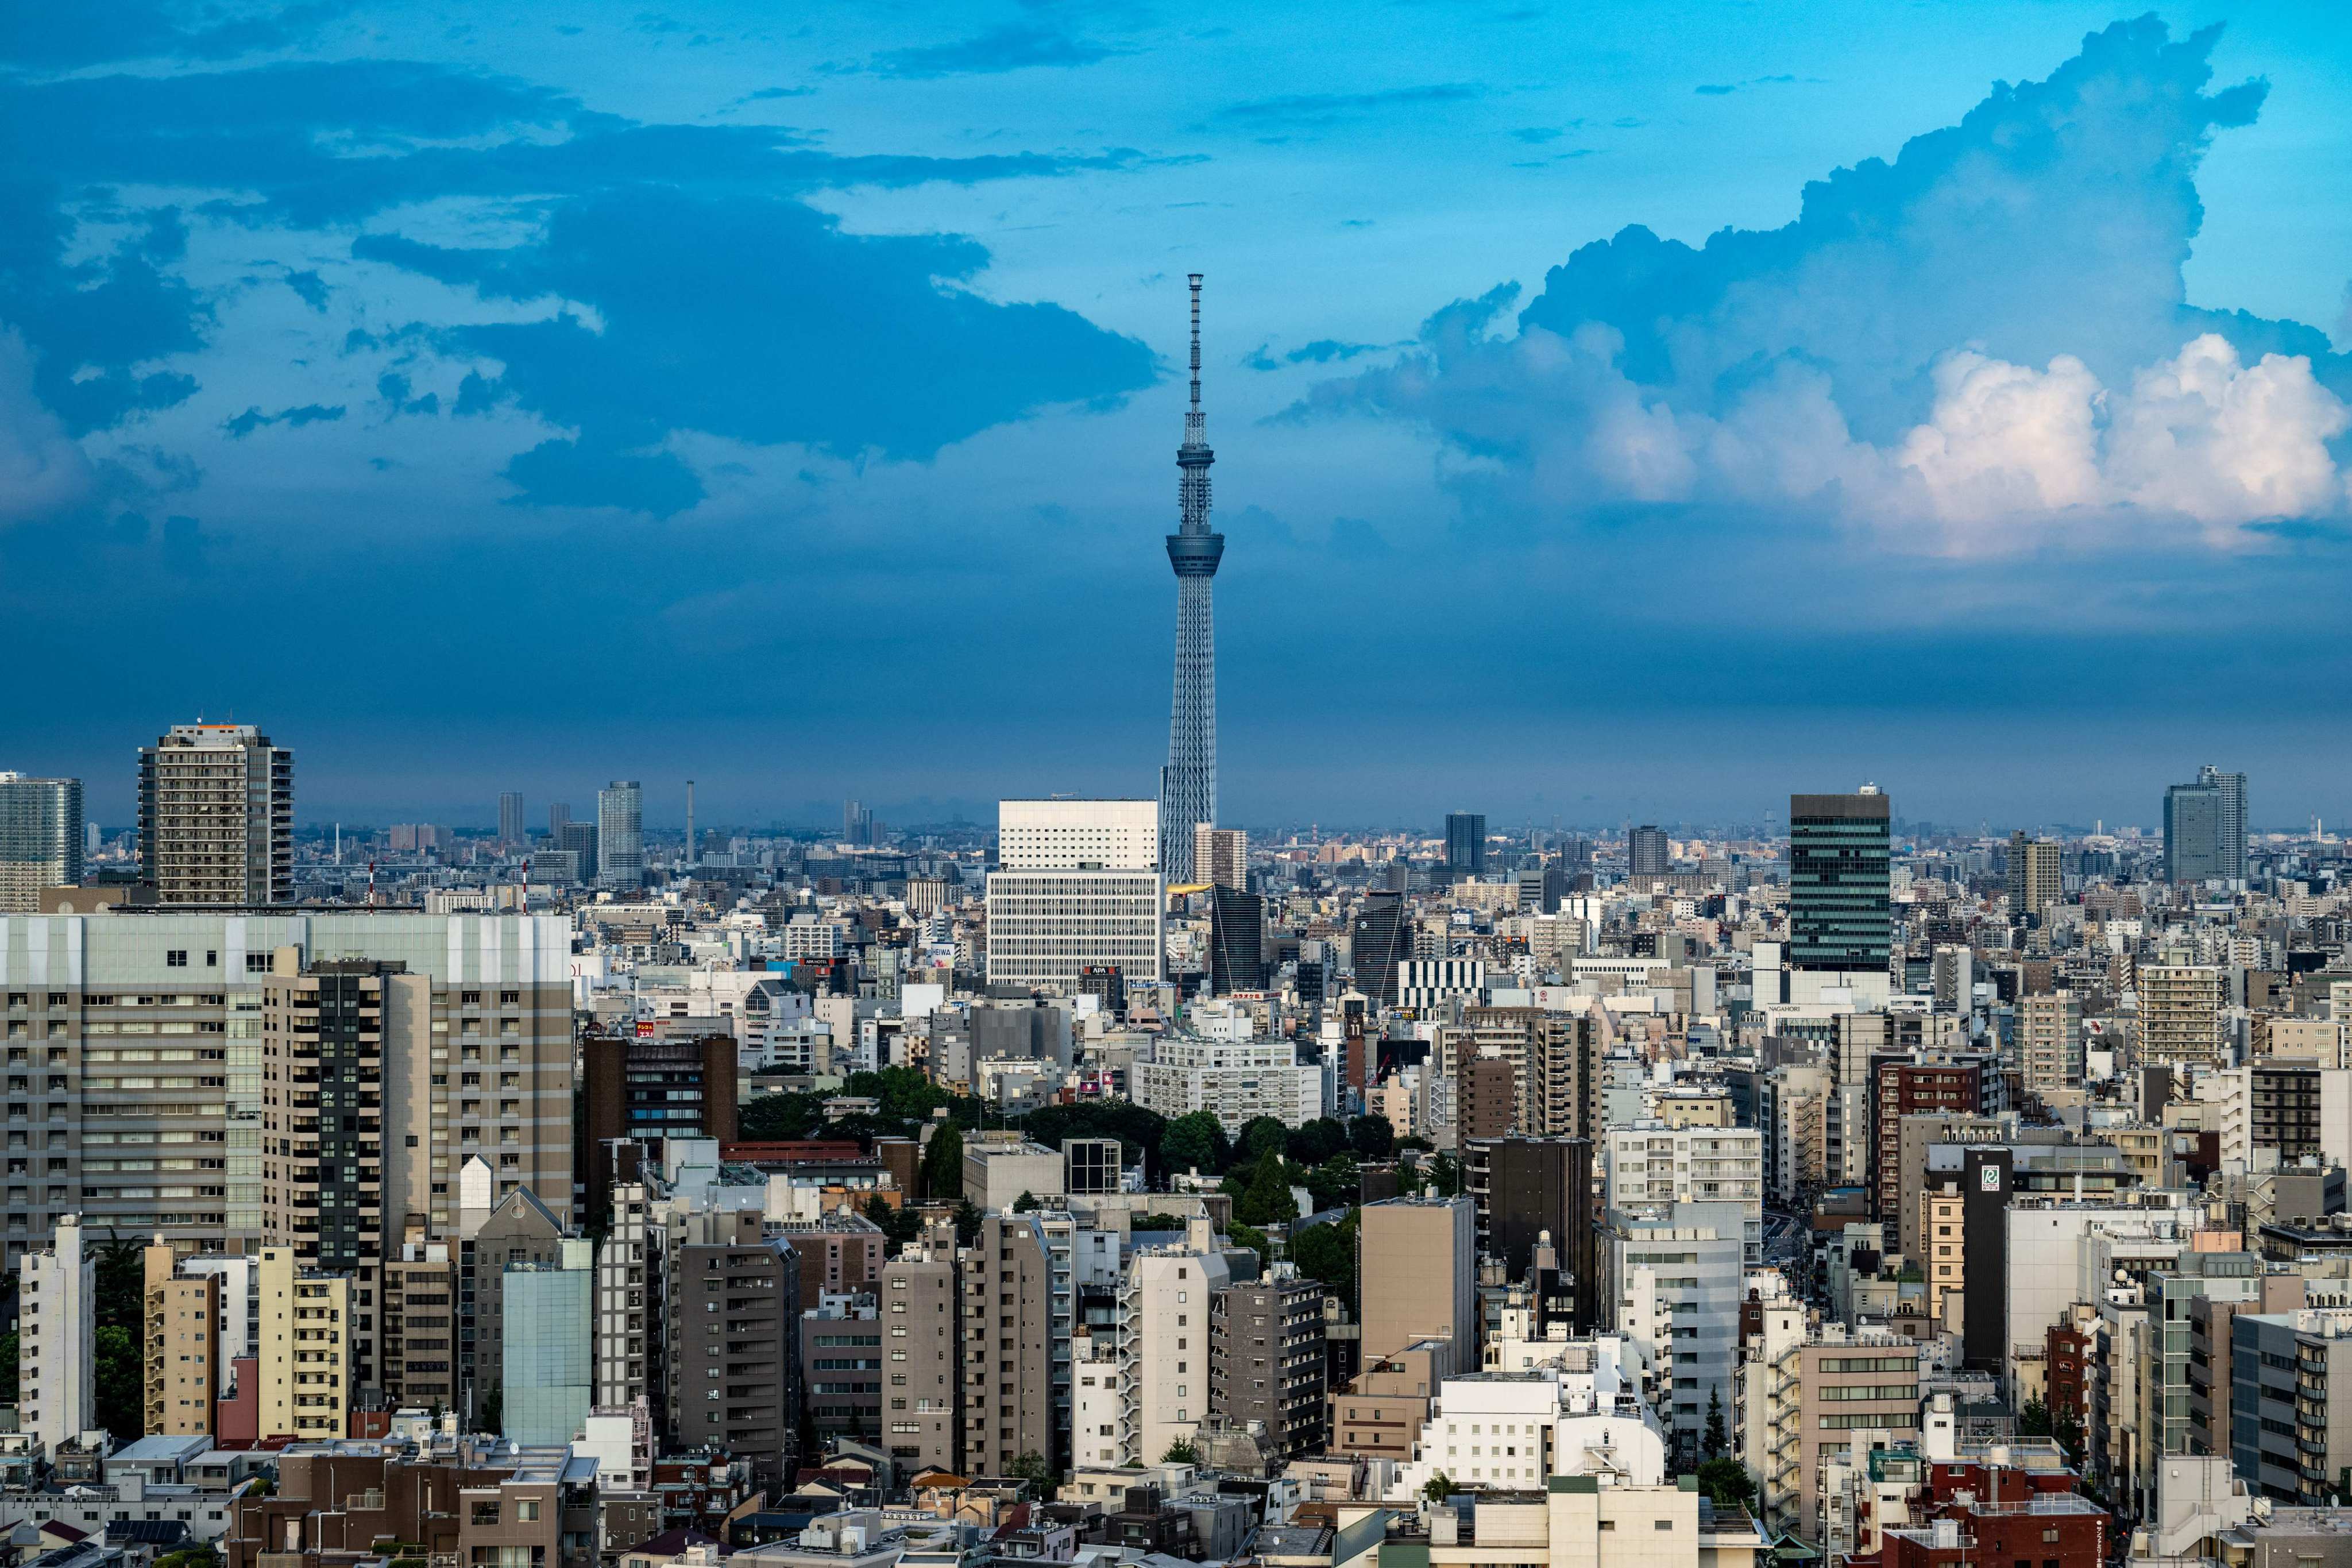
216,816
1187,785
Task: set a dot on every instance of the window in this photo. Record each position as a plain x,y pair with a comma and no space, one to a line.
526,1509
176,958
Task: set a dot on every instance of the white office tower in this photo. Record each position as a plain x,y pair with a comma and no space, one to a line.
621,836
1078,887
41,838
56,1345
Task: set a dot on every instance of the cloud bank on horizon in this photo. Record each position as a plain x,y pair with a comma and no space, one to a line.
1983,346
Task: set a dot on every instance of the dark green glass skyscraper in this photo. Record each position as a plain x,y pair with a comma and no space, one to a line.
1838,915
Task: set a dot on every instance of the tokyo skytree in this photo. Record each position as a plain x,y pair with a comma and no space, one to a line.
1187,785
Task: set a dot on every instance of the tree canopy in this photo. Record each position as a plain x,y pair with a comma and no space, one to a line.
1195,1141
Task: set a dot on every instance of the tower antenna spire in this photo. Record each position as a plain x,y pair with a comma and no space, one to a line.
1187,785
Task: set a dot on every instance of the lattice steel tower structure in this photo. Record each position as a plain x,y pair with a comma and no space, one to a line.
1187,785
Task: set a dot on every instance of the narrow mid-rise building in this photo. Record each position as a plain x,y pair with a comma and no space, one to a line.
57,1339
180,1357
304,1368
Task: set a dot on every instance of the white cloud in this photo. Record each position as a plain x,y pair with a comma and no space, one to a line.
42,469
2226,443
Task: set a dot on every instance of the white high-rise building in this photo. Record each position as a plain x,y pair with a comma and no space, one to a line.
41,838
1078,887
1070,835
1140,1382
1650,1167
57,1343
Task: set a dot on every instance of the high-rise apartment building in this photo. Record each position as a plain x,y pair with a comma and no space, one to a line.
1958,1084
1078,885
2034,880
1650,1167
578,839
57,1339
2049,1041
1266,1357
511,831
323,1102
922,1335
2181,1013
180,1356
1670,1280
1008,1379
2233,817
1555,1061
1165,1301
1646,852
1418,1275
136,1063
41,834
1221,857
734,1354
559,816
621,836
1838,911
305,1353
216,816
1465,843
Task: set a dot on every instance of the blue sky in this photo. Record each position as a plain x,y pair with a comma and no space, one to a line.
485,397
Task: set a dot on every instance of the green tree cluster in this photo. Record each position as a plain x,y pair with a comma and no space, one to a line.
1195,1141
1326,1252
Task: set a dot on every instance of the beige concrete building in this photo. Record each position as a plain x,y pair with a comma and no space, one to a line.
1943,1246
181,1357
305,1365
216,817
1008,1375
1804,1398
1693,1107
2034,880
135,1058
1576,1520
2181,1013
416,1354
1417,1276
2049,1041
1378,1414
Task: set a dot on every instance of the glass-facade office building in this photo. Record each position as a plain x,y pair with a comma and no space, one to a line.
1838,906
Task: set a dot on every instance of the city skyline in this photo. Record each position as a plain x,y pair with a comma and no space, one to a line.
1912,588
